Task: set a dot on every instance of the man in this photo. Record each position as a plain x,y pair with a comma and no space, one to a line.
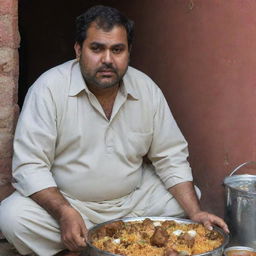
83,133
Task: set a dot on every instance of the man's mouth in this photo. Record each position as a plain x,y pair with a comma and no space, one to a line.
106,72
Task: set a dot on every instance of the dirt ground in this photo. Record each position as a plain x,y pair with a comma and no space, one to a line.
8,250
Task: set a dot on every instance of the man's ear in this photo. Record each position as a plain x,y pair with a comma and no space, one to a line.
78,49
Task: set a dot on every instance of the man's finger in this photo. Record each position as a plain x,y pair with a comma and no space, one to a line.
208,225
70,246
215,220
80,241
223,225
71,243
84,234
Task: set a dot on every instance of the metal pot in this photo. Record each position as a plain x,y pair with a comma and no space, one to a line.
240,212
93,251
238,250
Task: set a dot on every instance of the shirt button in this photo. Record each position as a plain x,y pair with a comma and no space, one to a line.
110,149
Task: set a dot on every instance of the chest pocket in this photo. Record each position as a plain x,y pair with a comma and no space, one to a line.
138,143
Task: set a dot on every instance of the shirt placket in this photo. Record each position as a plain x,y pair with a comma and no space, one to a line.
109,136
109,140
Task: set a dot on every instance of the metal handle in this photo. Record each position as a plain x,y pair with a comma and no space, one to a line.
241,165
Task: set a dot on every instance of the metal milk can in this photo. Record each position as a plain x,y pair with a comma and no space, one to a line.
240,212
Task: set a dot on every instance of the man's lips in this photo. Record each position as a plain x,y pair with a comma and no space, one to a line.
106,72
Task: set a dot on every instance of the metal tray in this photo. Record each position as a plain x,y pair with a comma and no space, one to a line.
94,251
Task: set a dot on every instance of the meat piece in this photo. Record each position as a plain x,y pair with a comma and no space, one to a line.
148,226
186,239
169,223
100,233
108,245
170,252
159,238
130,228
117,251
147,222
212,235
144,235
114,228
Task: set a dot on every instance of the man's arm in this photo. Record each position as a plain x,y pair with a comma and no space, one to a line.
168,153
34,151
73,229
186,196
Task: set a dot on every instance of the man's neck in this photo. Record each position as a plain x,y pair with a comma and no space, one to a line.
106,97
103,92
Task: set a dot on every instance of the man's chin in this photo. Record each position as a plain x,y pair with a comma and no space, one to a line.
107,84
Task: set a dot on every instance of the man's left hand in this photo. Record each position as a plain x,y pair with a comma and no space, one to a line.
208,220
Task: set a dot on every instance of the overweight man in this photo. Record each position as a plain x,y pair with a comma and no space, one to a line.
80,143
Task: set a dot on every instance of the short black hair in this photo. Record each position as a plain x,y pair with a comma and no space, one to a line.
106,18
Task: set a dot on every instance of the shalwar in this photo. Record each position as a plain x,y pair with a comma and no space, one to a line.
63,139
31,229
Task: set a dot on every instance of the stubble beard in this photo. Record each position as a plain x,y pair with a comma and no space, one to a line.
91,78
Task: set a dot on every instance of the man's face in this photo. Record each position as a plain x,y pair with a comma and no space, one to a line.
104,56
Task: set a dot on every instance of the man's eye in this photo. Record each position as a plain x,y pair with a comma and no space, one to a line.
95,49
117,50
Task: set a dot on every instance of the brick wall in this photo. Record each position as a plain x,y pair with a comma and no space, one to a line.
9,43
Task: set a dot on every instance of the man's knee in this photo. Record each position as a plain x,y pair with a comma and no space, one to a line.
10,219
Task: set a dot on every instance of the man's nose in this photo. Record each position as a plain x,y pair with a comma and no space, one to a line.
107,57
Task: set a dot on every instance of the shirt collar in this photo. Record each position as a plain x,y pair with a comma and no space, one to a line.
127,86
77,83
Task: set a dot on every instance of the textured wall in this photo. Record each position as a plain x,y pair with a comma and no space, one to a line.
201,53
203,56
9,43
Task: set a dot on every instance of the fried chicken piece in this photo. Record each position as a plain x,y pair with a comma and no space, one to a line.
212,235
113,228
147,222
148,226
159,238
100,233
169,223
186,239
144,235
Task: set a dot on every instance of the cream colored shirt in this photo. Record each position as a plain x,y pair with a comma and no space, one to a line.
64,139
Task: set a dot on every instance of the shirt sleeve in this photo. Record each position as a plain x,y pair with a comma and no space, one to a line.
34,141
169,149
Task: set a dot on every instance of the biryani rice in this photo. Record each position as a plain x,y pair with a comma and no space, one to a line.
134,239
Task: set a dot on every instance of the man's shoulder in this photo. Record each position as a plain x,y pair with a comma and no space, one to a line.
61,72
55,81
139,81
135,74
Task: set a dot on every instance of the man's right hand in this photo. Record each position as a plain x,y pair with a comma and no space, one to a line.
73,229
72,226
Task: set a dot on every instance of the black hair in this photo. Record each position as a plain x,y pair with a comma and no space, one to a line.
106,18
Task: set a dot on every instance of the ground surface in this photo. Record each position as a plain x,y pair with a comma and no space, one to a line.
7,250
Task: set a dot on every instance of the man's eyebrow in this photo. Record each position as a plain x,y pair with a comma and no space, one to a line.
118,45
103,45
97,44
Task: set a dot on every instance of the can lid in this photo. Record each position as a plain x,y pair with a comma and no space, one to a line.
239,250
244,183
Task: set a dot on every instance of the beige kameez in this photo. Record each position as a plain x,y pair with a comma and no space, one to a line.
63,139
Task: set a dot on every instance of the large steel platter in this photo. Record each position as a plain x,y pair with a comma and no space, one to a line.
93,251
